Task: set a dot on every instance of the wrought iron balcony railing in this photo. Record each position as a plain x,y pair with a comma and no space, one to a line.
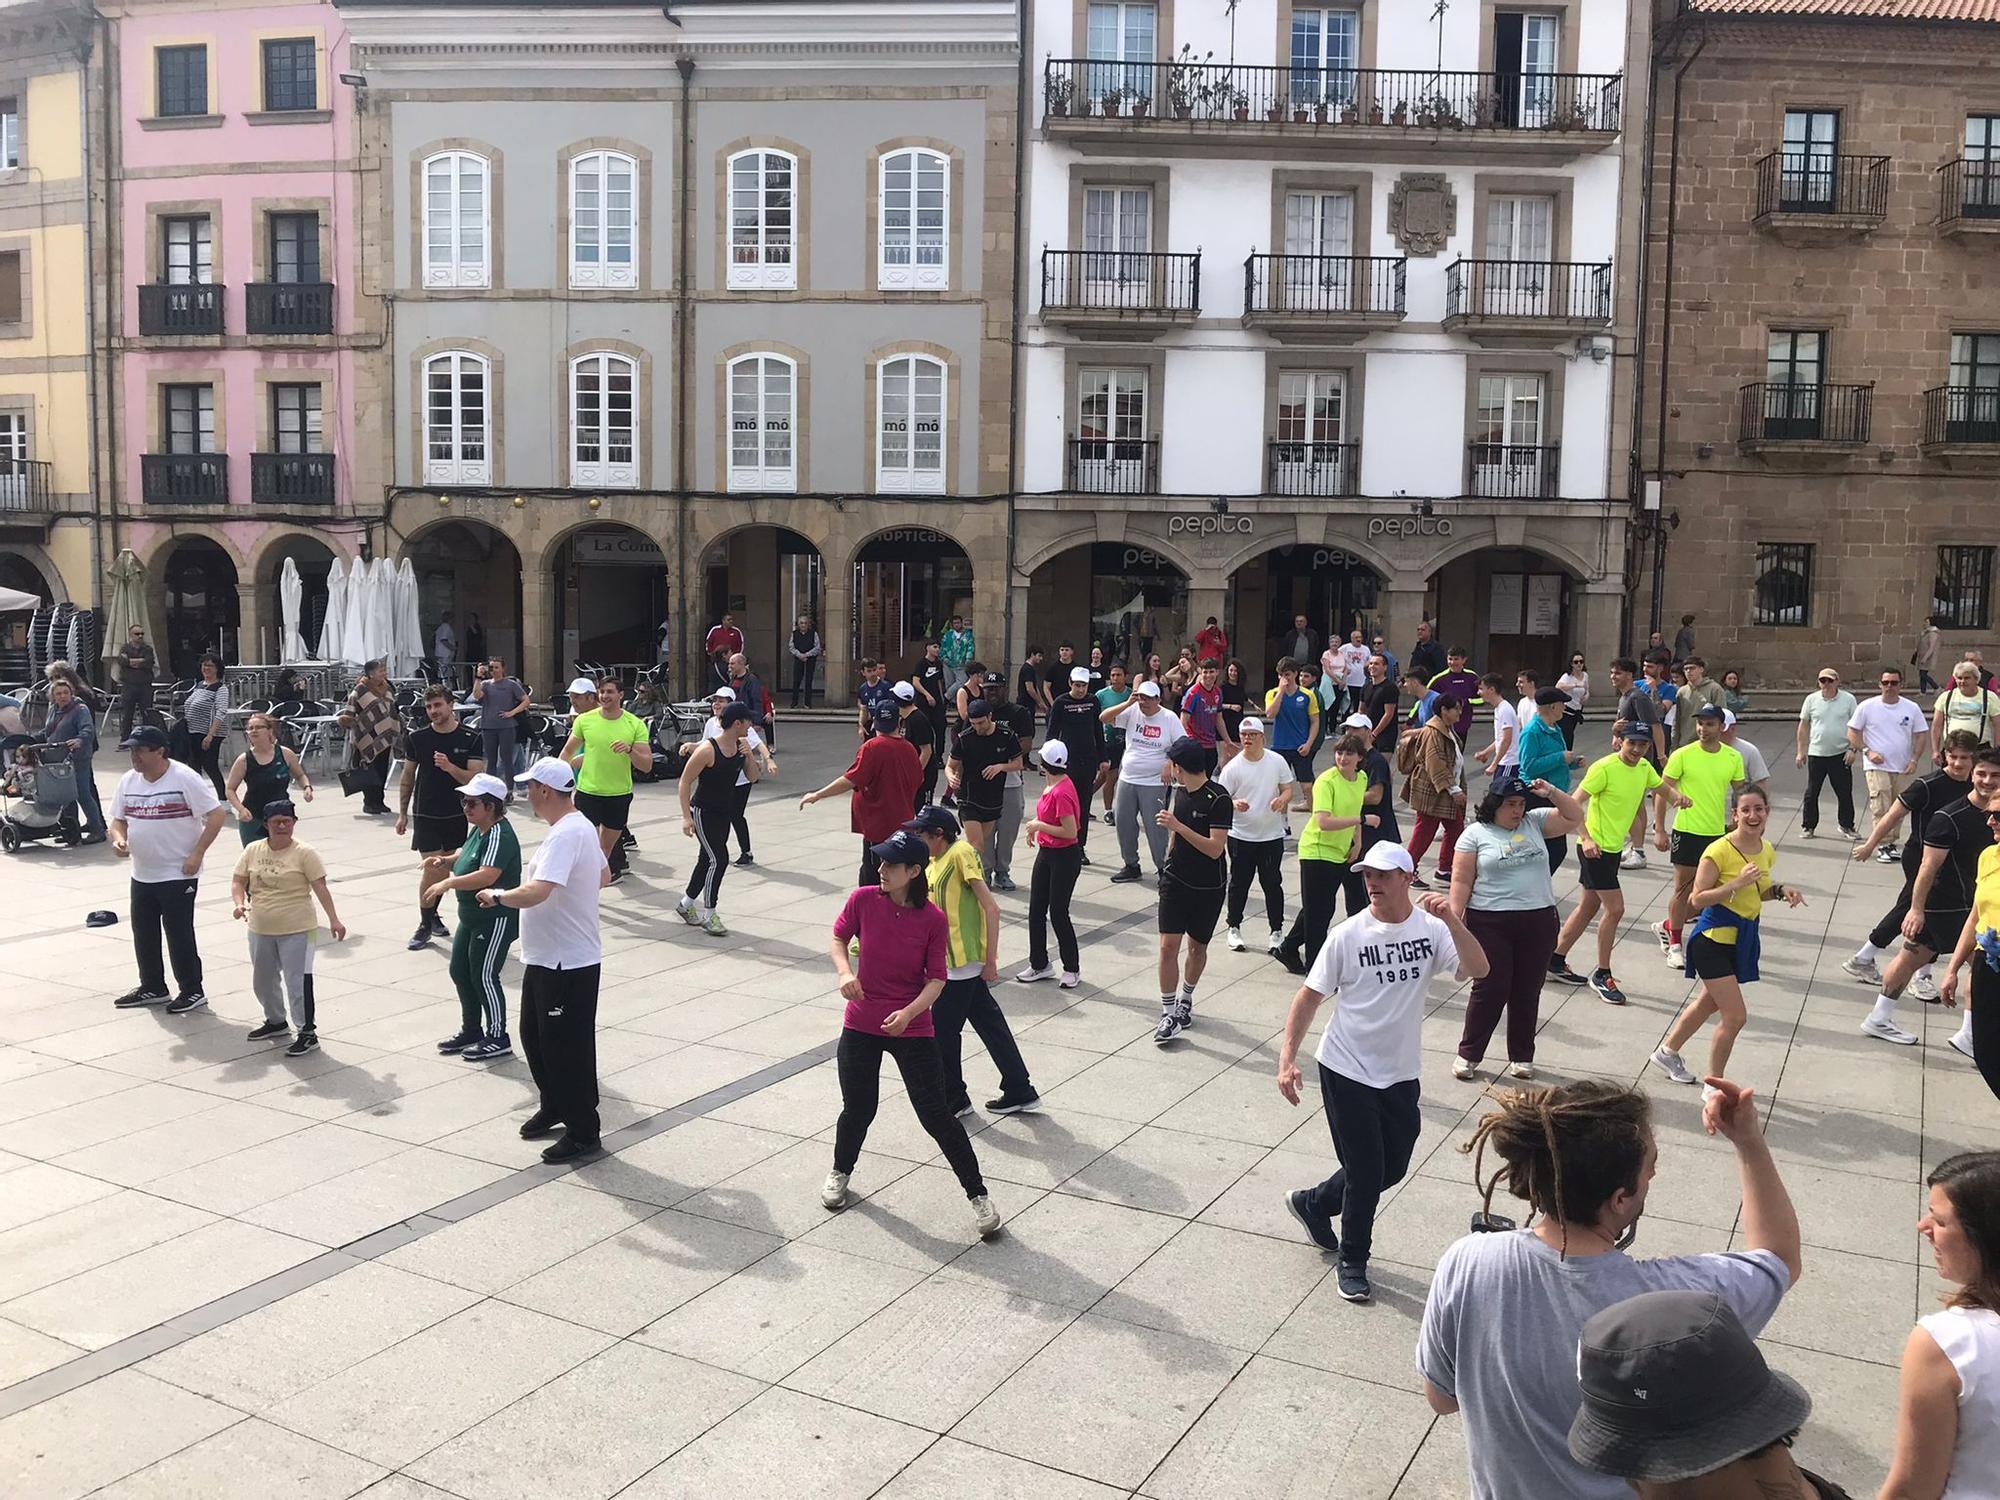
1811,182
1114,466
1968,414
1334,285
24,484
1306,468
1513,471
1775,411
1121,281
180,309
1556,290
184,478
291,478
288,307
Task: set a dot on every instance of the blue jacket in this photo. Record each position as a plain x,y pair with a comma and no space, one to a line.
1749,943
1544,756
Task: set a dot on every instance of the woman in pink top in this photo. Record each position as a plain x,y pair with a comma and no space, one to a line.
1058,861
902,972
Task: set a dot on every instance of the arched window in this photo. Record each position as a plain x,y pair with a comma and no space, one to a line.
603,220
457,220
915,214
763,426
909,424
603,432
457,388
763,220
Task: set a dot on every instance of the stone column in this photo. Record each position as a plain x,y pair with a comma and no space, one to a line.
256,637
836,629
1596,618
1403,611
989,613
541,662
1202,602
1017,640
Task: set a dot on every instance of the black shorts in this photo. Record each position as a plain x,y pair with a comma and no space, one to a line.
1684,850
1597,872
605,812
1189,911
1941,930
979,811
1710,959
436,835
1114,752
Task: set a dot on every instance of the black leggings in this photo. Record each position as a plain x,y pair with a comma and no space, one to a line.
1263,860
711,831
860,1064
1985,999
208,761
1320,883
739,819
1048,905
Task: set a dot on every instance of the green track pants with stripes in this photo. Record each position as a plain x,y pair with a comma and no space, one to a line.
478,951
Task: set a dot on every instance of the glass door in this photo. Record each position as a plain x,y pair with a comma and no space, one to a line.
1326,46
1507,437
1794,374
1806,165
1319,243
1308,457
1980,188
1111,432
1120,31
1520,233
1973,415
1117,233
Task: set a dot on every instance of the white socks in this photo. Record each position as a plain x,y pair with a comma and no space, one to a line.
1867,954
1884,1013
1964,1037
1187,993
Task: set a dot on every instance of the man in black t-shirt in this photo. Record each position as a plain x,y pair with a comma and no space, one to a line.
927,678
1382,697
442,757
981,755
1919,801
1029,690
1074,720
1193,881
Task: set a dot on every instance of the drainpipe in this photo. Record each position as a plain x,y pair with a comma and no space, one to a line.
1667,332
84,52
1023,103
113,281
683,376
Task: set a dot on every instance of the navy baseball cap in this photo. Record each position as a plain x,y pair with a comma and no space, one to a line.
978,708
280,807
886,719
933,819
1709,711
1637,731
901,848
145,737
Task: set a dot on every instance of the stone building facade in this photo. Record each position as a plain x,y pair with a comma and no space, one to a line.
1829,192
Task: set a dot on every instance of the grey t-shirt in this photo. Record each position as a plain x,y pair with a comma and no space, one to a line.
496,698
1499,1337
1513,865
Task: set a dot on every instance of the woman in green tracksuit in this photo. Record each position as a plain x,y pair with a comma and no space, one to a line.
491,855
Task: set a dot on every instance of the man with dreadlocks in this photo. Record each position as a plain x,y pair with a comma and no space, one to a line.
1500,1328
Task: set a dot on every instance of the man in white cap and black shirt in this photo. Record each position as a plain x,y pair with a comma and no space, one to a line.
1150,732
562,954
1076,719
1194,880
1377,967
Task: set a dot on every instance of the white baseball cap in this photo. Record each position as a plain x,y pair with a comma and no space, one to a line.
484,785
1357,721
1386,856
582,685
723,692
1147,690
550,772
905,692
1079,674
1055,753
1728,719
1251,725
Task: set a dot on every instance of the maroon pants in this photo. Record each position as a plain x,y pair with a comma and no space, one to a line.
1426,829
1518,946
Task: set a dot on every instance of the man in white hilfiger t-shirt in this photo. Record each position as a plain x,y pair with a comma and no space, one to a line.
1150,732
1377,968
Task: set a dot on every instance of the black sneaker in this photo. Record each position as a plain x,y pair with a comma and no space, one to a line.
625,839
307,1042
539,1126
133,999
268,1030
421,938
569,1148
1418,883
188,1000
437,923
488,1049
1125,875
745,859
459,1043
616,876
1318,1230
1111,820
1292,960
1352,1282
1005,1105
1562,973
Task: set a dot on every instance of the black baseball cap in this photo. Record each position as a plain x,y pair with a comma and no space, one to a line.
1189,755
993,680
978,708
886,719
901,848
278,807
933,819
145,737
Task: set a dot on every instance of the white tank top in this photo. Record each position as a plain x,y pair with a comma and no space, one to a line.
1970,1339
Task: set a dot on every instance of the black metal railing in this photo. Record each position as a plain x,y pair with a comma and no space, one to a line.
1301,468
1409,99
1962,414
184,478
1776,411
24,484
291,478
1513,471
1114,466
1808,182
288,307
191,309
1363,284
1968,189
1559,290
1135,281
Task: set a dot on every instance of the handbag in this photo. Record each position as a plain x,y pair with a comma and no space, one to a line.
356,779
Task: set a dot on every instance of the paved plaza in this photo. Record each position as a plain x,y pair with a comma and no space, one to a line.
225,1273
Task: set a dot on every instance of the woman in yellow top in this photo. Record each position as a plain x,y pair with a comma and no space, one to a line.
1978,1035
1731,885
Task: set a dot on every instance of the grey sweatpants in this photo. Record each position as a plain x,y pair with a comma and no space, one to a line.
1137,806
281,965
1000,846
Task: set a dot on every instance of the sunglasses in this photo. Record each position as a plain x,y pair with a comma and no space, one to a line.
1891,682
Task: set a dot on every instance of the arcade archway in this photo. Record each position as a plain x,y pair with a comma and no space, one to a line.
609,598
908,583
1124,597
202,605
474,571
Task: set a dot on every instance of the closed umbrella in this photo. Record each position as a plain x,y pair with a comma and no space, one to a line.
126,605
354,630
382,608
291,593
409,625
336,614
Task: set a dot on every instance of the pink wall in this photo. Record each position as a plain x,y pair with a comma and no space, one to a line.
208,165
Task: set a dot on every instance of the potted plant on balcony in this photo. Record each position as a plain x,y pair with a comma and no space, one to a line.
1486,111
1350,114
1141,103
1275,110
1400,115
1185,88
1571,114
1110,100
1435,112
1239,103
1059,92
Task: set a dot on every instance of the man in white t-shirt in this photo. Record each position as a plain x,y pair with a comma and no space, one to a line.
1756,770
1354,665
1259,783
1506,747
561,953
164,816
1894,743
1150,732
1377,967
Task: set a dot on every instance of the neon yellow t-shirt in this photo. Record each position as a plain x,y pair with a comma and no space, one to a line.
1986,893
950,877
604,772
1704,777
1748,902
1615,791
1333,793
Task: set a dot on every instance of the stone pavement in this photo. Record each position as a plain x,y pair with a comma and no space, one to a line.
223,1273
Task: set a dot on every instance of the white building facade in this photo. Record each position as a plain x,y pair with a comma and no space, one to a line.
1322,315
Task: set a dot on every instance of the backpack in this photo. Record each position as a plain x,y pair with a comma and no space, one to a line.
1409,752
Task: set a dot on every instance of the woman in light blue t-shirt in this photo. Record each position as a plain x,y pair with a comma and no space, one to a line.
1501,887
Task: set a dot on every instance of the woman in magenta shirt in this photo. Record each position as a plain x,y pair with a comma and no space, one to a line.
1058,861
902,972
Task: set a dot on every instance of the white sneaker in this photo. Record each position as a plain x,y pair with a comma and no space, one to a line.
986,1216
1070,979
1030,974
1277,941
1631,859
1808,833
1670,1063
1676,956
1461,1069
1924,986
833,1192
1663,934
1959,1042
1888,1031
1862,969
1520,1070
1236,940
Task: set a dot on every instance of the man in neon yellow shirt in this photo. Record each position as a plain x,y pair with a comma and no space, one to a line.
1327,846
957,883
1697,781
1613,791
604,745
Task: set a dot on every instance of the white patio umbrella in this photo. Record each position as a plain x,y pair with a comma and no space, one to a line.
409,625
291,593
14,601
382,609
354,629
336,614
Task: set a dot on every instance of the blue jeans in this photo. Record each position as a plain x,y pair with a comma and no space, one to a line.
86,797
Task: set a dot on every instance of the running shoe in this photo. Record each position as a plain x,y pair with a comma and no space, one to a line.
1850,835
1888,1031
1277,941
1318,1230
1418,883
1290,959
1004,883
1174,1020
1236,940
1111,819
1462,1070
1520,1070
1862,969
685,909
1669,1063
464,1039
1606,987
985,1216
133,999
1888,854
186,1001
1070,979
713,926
488,1049
833,1192
1808,833
617,875
1031,974
1561,972
745,859
1019,1105
1352,1283
962,1108
307,1042
421,938
1125,875
1663,934
1925,987
1959,1042
1631,859
268,1030
437,923
1676,957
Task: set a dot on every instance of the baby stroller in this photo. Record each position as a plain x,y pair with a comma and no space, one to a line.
37,794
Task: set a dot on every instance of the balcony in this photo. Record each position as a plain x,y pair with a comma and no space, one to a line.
1120,292
1323,299
24,486
1502,301
1803,422
180,311
1962,426
1329,470
184,478
1113,466
1810,199
288,307
1513,471
1353,113
1969,198
291,478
